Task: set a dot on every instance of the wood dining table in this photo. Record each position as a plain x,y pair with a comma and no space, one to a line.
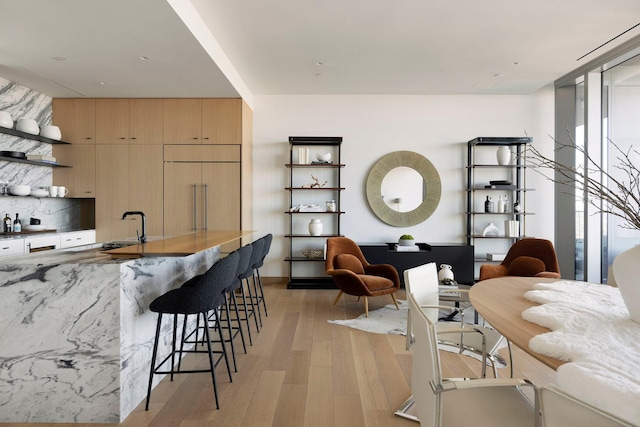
501,301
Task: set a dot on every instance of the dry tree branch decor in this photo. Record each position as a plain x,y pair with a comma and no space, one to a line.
619,196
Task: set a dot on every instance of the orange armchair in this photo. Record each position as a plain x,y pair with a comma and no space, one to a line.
355,276
527,257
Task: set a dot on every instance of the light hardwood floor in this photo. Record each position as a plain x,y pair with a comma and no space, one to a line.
304,371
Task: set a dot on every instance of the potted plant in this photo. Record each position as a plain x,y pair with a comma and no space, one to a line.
406,240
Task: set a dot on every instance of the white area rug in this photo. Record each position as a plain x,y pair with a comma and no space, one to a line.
389,320
592,329
385,320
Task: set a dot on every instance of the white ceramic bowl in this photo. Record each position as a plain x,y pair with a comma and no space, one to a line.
20,190
323,157
6,121
52,132
31,227
28,126
39,192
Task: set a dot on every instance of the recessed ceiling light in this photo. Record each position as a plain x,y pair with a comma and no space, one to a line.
143,58
515,63
319,63
103,83
319,74
497,75
59,58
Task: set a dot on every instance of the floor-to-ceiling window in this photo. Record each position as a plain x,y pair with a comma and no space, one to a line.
598,110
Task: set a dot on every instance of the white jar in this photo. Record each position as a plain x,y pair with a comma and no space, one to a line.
504,155
315,227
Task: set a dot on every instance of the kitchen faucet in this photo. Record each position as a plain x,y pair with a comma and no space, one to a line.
142,238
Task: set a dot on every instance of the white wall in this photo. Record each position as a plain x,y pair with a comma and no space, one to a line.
437,127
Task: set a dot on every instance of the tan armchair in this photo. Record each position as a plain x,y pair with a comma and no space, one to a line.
355,276
527,257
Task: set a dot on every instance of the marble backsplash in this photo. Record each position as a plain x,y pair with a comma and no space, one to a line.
61,214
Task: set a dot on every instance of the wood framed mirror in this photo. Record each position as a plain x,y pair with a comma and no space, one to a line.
403,188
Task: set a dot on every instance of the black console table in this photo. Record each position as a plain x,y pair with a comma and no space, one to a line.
458,256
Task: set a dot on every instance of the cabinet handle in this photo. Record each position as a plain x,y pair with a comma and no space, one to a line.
133,137
206,137
88,137
195,138
195,206
5,248
122,137
206,206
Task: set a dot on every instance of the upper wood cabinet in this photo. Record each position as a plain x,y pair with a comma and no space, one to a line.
76,118
80,178
182,121
203,121
129,121
222,121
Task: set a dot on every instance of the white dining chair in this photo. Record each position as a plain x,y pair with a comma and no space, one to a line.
423,283
560,409
442,402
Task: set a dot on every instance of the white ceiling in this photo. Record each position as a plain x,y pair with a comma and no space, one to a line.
229,48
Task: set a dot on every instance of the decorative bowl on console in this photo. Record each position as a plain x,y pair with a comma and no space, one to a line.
406,240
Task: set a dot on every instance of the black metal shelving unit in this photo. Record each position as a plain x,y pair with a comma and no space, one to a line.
297,237
476,188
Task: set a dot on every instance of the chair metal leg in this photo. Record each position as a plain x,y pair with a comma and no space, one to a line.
395,301
253,307
230,330
338,297
246,313
232,297
173,344
153,360
211,363
256,298
408,410
264,303
224,347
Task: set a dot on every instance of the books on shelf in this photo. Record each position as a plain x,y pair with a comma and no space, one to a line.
303,156
310,208
41,158
495,257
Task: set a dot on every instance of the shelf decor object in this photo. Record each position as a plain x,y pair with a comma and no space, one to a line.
314,207
489,181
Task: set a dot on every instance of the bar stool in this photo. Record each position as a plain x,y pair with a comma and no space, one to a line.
199,297
250,307
267,239
243,264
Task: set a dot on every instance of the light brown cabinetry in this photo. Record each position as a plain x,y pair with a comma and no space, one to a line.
76,118
202,121
128,178
112,191
128,121
201,188
80,178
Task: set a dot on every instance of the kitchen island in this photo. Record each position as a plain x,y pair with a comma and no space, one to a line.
76,333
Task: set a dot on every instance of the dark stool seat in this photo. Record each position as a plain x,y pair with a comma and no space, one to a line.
198,296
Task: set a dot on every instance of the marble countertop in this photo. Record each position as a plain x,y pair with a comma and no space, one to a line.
179,246
184,245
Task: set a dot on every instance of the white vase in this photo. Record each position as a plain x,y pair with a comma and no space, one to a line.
315,227
504,155
626,271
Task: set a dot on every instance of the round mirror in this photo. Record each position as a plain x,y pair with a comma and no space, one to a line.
403,188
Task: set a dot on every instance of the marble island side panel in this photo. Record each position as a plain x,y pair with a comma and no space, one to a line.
76,332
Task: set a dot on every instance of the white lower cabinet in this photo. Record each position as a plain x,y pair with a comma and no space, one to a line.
77,238
41,243
26,245
11,247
